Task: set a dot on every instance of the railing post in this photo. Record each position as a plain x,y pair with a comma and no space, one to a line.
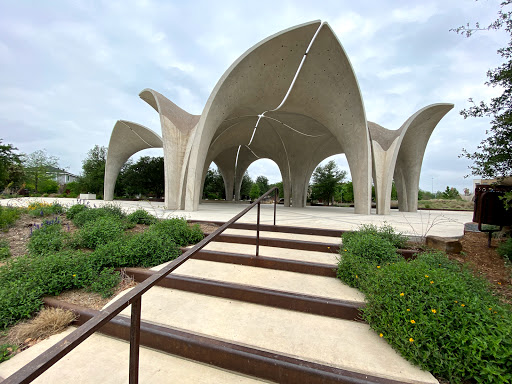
275,204
135,341
258,232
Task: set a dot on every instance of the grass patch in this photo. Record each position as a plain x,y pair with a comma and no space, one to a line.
456,205
8,216
48,322
5,250
434,312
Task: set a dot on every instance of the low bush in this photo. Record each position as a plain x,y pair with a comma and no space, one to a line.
140,216
505,249
434,312
39,208
24,280
91,214
8,216
140,250
46,238
100,231
5,250
385,231
178,230
75,210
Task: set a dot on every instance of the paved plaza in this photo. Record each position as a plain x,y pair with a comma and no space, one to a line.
421,223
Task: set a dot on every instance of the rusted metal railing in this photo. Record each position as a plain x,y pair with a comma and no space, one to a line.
44,361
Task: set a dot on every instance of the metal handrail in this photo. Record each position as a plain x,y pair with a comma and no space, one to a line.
44,361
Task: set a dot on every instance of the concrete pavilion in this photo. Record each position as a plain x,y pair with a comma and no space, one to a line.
292,98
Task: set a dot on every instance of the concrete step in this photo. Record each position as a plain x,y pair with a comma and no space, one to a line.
340,302
284,235
340,344
326,256
103,359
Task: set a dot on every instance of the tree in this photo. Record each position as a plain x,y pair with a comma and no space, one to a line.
11,169
325,180
451,194
255,192
494,155
214,185
245,189
144,177
262,182
347,192
93,168
279,185
37,164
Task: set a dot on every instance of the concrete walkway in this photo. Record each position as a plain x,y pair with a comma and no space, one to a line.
421,223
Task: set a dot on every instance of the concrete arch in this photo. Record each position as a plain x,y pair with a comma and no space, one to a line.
399,154
276,58
177,129
127,139
327,91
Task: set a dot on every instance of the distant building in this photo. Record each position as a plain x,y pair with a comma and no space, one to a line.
61,176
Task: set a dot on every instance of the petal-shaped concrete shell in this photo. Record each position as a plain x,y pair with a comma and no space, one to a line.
324,101
399,154
127,139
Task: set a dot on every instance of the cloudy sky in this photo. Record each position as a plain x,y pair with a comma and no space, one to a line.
70,69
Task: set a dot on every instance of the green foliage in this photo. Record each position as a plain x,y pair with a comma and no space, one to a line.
255,192
7,351
279,185
140,216
46,238
145,177
24,280
5,250
493,157
85,215
8,216
100,231
347,192
39,208
385,231
75,210
262,182
93,168
451,194
434,313
214,185
11,171
325,181
37,166
178,230
245,189
442,319
505,249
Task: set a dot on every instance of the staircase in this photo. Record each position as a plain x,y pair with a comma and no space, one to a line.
228,316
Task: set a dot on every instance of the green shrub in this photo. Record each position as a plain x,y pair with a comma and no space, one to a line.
178,230
75,210
46,238
114,210
7,351
505,249
5,250
385,231
140,250
100,231
8,216
24,280
91,214
38,208
140,216
371,246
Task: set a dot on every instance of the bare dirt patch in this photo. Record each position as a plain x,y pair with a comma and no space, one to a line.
486,262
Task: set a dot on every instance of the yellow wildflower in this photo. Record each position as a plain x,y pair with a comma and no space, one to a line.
378,266
463,305
413,322
380,334
426,275
74,275
402,294
431,281
411,340
408,310
434,311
